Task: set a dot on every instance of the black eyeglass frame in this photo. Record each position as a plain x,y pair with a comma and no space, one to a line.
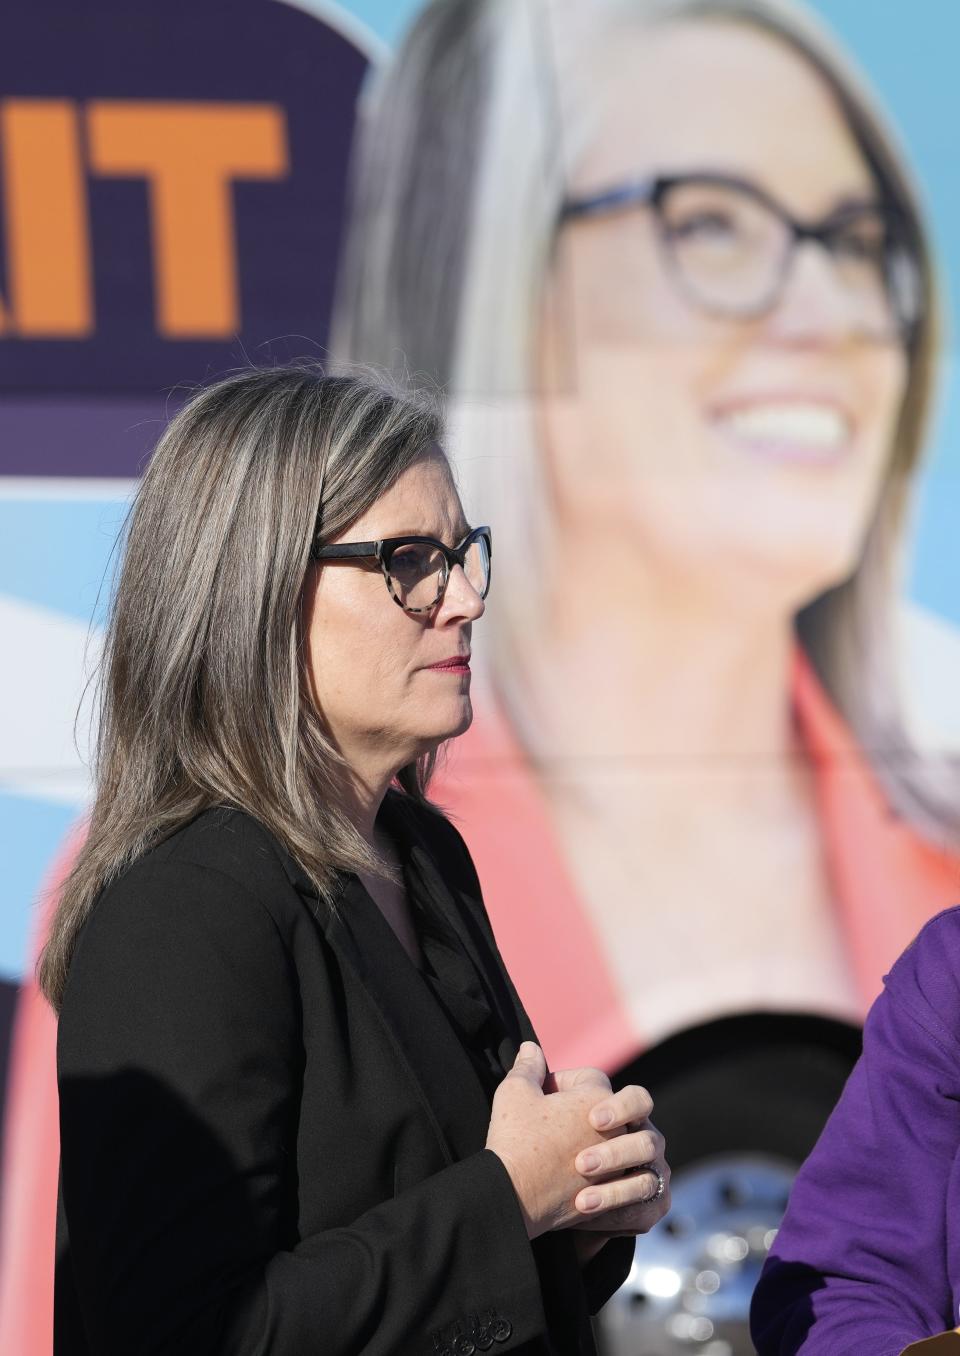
382,551
651,192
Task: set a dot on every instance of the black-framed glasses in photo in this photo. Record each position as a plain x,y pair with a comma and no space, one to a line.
730,247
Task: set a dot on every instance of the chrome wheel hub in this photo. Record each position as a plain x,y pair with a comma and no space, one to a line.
692,1278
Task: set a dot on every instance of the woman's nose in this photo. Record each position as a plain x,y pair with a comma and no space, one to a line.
813,307
460,599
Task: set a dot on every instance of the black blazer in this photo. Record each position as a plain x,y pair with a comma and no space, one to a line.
272,1139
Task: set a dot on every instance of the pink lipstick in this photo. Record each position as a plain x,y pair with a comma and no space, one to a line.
458,663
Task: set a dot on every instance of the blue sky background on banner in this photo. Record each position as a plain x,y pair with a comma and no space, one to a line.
55,546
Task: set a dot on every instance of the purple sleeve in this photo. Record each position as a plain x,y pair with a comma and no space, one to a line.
868,1250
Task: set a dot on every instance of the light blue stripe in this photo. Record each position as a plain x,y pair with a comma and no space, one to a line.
57,553
386,18
31,831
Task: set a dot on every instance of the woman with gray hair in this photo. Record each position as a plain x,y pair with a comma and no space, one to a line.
301,1105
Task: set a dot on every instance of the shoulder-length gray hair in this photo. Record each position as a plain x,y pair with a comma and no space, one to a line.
202,693
468,140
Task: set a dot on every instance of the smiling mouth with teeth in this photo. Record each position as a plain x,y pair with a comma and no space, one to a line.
801,431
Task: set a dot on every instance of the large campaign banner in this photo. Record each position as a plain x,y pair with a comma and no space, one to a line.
686,275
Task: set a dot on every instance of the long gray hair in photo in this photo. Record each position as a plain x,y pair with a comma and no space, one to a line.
202,697
467,142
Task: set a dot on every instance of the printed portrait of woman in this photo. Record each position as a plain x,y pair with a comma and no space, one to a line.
667,262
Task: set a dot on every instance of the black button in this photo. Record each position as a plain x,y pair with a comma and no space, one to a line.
464,1347
480,1333
501,1329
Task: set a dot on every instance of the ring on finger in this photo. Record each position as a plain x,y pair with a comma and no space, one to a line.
661,1184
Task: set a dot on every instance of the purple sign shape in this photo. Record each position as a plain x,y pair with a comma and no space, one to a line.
172,185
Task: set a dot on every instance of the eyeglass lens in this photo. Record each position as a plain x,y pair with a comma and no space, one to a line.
418,572
732,253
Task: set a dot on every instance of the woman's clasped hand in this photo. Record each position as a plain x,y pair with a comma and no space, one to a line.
578,1154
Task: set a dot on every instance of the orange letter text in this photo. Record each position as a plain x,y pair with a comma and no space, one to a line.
48,246
189,153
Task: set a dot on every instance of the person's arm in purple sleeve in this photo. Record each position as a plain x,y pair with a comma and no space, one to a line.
860,1263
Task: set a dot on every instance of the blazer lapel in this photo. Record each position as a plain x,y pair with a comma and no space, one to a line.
467,918
439,1068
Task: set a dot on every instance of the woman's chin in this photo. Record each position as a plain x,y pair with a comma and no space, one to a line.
766,583
460,719
766,560
448,723
802,570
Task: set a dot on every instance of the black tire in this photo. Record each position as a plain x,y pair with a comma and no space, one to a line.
762,1084
769,1101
